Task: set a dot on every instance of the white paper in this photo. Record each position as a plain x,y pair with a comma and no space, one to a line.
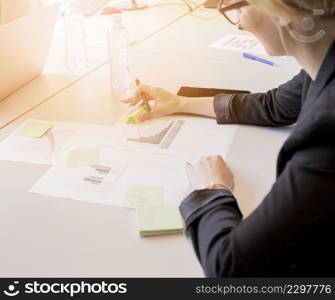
191,136
239,43
149,154
127,169
42,150
49,148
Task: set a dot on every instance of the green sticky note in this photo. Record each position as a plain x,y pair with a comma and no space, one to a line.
157,219
137,195
34,129
134,117
83,157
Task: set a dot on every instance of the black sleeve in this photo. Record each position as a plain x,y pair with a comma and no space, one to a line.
227,246
277,107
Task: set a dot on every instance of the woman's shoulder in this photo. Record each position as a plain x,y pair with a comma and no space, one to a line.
315,142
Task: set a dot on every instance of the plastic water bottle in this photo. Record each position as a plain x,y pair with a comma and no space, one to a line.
75,42
117,38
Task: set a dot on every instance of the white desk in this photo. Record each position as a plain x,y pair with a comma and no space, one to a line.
190,37
140,24
46,236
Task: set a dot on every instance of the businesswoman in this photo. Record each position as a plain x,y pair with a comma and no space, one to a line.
291,232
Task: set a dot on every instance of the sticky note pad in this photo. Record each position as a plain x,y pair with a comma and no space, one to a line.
83,157
134,117
138,195
34,129
157,219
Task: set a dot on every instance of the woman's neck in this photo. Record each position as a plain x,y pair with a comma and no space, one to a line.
311,57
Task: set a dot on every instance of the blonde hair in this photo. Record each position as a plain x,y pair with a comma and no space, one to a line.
324,8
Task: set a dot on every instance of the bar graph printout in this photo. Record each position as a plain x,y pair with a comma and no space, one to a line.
162,138
193,136
108,182
154,139
152,153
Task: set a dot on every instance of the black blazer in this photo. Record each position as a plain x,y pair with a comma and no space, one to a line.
291,232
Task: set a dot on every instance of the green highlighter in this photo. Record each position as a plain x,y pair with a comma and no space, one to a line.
159,219
134,117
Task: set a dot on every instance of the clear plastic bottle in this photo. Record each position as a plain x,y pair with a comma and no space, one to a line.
75,41
117,38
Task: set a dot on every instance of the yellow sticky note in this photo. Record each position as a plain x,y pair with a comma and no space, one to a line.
134,117
137,195
159,219
83,157
34,129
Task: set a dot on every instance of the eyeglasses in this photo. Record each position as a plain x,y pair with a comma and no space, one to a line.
230,10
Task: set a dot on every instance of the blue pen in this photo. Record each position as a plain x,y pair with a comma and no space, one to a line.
262,60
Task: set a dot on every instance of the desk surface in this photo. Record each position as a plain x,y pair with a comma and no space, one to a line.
45,236
140,25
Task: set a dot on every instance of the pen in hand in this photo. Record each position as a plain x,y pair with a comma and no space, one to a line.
144,98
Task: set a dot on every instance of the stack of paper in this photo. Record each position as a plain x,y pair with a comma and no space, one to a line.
239,43
156,219
138,165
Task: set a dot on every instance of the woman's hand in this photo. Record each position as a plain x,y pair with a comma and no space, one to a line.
210,172
166,102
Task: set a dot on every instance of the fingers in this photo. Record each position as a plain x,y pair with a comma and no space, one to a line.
188,167
209,169
190,173
213,159
154,113
161,102
147,90
145,116
215,164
